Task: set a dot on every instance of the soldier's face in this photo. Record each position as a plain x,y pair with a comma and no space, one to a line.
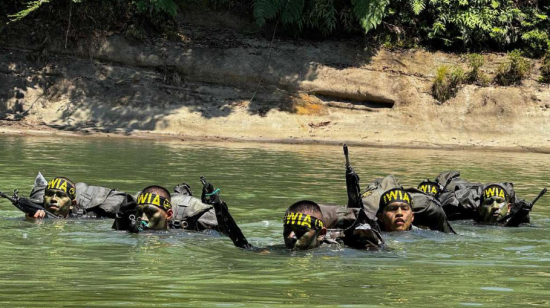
397,216
156,218
493,209
300,237
57,202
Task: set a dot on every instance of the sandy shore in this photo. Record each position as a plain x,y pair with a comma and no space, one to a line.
9,128
231,87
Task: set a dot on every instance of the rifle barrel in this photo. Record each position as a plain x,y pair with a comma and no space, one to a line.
3,195
346,154
542,192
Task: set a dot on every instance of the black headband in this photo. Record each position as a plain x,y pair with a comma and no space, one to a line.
63,185
394,195
494,190
154,199
304,220
429,187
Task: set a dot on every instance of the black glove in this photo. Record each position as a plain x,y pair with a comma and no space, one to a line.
209,195
364,233
519,213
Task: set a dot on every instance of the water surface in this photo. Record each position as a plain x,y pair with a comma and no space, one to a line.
83,263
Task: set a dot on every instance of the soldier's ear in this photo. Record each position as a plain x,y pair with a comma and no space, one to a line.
170,213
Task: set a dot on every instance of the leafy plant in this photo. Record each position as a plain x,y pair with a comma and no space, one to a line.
447,82
31,7
152,7
325,16
369,12
475,75
536,41
514,71
467,24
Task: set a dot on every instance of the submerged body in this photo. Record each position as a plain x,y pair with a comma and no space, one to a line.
492,204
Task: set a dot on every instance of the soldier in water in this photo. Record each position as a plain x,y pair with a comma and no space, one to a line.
62,198
395,211
157,209
303,226
493,203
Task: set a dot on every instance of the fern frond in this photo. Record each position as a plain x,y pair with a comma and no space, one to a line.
267,9
418,6
369,12
31,7
292,11
165,6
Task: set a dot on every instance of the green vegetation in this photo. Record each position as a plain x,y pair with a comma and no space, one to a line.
441,24
545,69
475,76
514,71
447,82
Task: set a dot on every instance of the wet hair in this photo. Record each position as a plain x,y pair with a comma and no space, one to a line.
158,190
306,207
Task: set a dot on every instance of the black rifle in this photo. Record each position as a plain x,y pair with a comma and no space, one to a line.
26,206
352,184
520,211
225,221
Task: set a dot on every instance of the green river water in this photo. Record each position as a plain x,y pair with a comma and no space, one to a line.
83,263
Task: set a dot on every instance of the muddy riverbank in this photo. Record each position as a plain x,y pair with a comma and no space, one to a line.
224,84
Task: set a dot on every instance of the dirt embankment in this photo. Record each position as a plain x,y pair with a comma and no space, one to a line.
220,83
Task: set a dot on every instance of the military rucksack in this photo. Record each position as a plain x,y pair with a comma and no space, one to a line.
373,193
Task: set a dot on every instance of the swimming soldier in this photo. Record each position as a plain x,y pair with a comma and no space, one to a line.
303,226
59,198
395,210
493,203
157,209
411,205
62,198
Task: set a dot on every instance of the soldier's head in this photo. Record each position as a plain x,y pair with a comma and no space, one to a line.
60,196
495,204
154,207
429,187
395,210
303,225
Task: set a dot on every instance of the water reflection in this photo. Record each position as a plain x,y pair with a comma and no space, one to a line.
85,263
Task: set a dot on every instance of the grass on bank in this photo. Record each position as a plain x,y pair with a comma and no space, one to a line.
514,70
447,82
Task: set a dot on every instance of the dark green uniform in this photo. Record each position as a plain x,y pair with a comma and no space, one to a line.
191,213
460,199
428,212
101,202
91,201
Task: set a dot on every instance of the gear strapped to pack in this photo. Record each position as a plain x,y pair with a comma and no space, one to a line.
63,185
394,195
303,220
154,199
